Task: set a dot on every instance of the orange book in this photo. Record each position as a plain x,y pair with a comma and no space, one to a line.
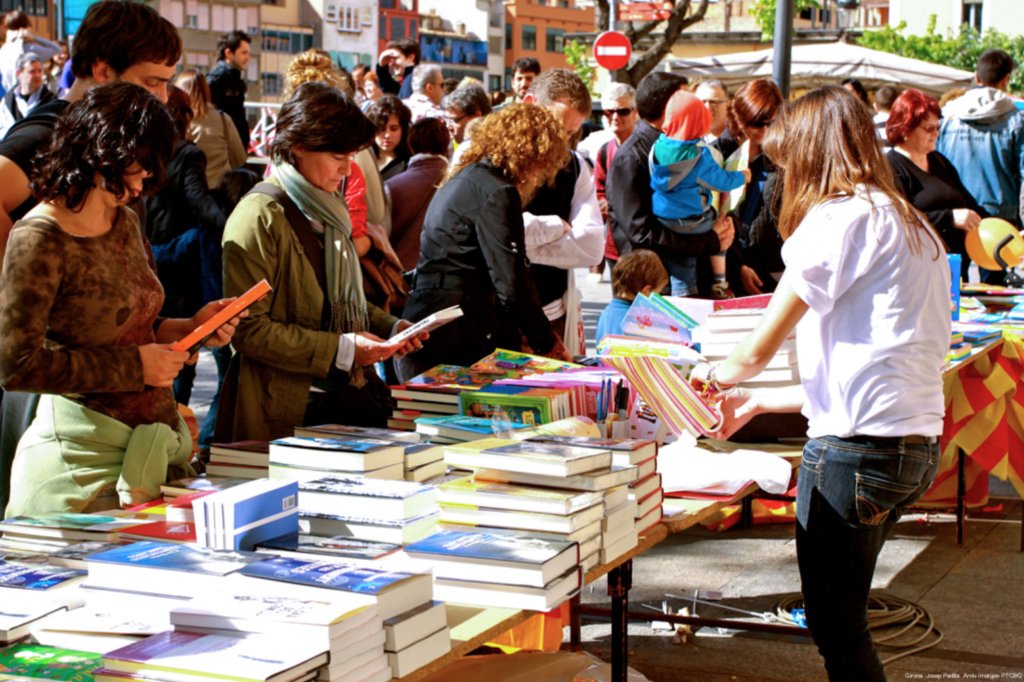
198,336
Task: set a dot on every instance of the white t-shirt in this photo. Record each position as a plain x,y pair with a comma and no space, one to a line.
871,346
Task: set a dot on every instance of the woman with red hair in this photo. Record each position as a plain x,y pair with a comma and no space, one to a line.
926,177
755,261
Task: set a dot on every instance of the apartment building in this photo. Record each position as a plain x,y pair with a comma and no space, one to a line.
536,28
349,30
1002,15
466,37
287,28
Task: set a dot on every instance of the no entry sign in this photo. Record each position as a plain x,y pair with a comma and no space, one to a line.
612,50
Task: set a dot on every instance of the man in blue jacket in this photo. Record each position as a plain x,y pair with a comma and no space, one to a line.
982,134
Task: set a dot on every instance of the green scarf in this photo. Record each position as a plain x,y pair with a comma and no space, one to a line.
341,266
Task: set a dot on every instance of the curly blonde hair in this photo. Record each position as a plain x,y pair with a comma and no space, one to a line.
524,140
313,65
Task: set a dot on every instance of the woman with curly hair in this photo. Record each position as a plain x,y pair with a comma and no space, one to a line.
79,316
391,145
472,250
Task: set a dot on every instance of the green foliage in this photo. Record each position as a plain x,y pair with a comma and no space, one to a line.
960,51
763,12
578,56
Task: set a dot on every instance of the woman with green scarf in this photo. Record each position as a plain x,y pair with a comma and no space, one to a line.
305,353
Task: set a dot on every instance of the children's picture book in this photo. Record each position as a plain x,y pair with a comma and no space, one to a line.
654,317
510,363
668,393
35,661
506,407
451,379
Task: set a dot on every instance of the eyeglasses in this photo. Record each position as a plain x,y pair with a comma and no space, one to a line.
457,118
708,102
759,124
623,112
930,129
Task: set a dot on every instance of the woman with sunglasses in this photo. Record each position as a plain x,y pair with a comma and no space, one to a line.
753,260
925,176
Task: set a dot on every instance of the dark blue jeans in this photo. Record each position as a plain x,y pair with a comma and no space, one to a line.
850,493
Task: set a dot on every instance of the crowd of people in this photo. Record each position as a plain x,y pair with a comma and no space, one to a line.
130,217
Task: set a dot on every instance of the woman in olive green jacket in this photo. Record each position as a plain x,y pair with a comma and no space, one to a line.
305,353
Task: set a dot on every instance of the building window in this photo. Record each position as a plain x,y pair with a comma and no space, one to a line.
529,37
397,28
383,30
972,14
412,28
494,45
494,83
271,83
508,36
387,4
554,39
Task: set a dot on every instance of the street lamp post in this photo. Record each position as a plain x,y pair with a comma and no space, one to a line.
783,43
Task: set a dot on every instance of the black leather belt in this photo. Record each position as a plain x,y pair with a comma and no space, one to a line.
894,440
431,280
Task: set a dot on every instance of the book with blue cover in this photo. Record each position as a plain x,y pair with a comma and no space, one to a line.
36,576
373,498
395,592
242,516
163,567
464,427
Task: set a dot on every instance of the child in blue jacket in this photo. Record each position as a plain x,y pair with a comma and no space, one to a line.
683,175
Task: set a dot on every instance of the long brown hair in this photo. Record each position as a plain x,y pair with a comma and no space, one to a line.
827,146
195,85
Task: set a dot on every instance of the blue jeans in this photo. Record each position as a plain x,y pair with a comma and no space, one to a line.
682,270
850,493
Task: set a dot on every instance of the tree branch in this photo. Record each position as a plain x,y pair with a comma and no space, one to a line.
680,20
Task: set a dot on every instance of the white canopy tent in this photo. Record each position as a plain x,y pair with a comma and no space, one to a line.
823,63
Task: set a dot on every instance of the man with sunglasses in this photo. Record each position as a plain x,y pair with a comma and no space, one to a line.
618,104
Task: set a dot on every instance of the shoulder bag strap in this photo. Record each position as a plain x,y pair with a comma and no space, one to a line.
311,244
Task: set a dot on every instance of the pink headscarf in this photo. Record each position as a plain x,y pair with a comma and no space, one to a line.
686,117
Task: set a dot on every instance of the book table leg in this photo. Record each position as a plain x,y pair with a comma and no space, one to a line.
620,580
961,492
575,640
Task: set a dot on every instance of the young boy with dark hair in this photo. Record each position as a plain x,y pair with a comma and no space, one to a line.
638,272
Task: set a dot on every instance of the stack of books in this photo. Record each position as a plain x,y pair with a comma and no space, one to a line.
543,487
31,592
374,510
435,393
49,533
301,458
246,459
645,492
197,484
422,460
242,516
400,598
725,327
176,655
501,568
959,349
460,429
347,627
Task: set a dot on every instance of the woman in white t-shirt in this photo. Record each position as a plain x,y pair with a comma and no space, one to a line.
866,288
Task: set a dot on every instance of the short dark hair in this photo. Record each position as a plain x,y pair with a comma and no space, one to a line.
993,66
234,185
471,100
654,92
637,269
16,20
886,95
111,128
231,41
526,65
429,136
123,33
408,47
320,118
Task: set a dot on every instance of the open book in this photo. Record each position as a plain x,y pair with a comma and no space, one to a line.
198,336
428,323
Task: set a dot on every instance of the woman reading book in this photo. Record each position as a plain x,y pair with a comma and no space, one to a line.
472,248
866,288
79,304
305,354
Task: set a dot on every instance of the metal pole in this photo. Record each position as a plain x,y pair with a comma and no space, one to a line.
612,16
783,44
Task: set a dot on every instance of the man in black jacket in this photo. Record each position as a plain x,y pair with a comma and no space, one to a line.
227,84
630,214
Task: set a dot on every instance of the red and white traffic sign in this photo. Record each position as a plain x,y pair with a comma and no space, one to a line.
612,50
